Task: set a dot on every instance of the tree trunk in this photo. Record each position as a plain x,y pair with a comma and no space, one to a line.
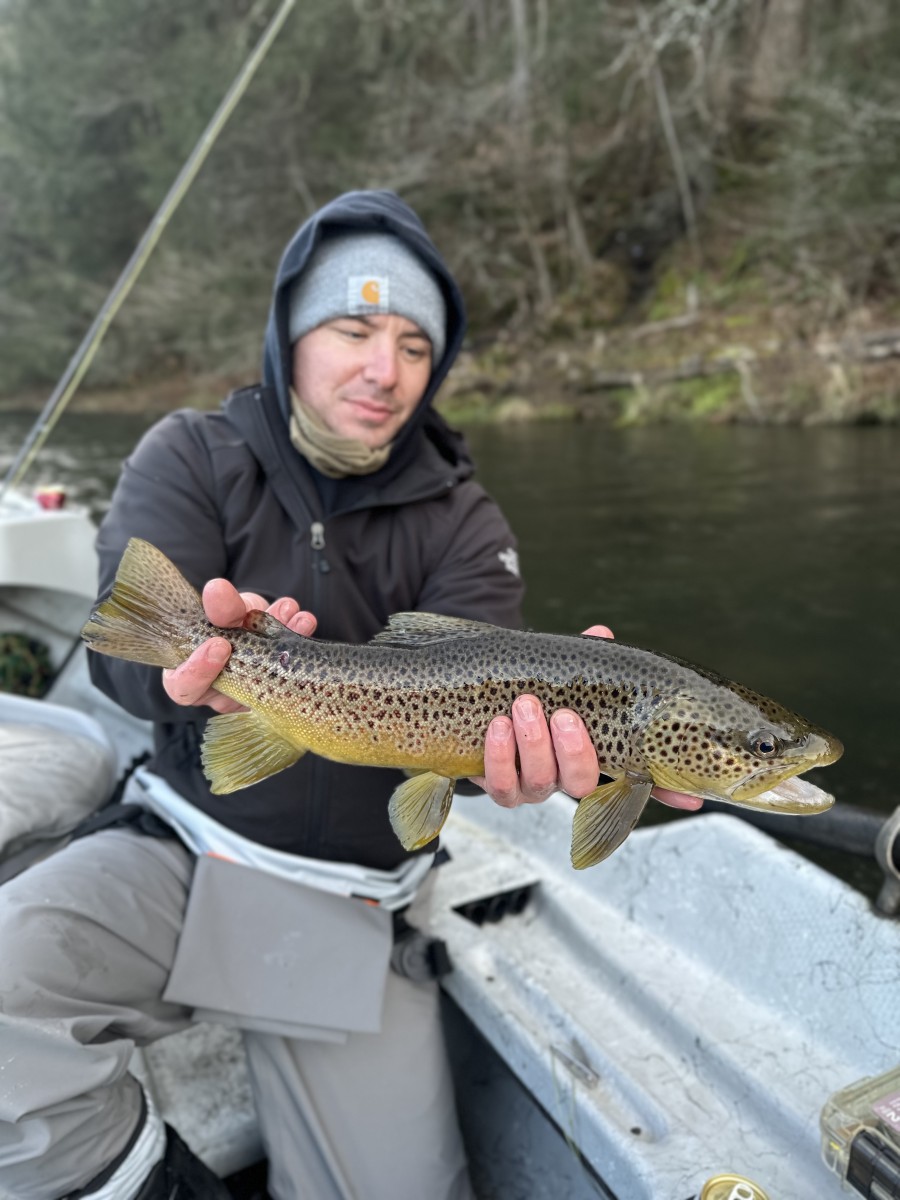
777,48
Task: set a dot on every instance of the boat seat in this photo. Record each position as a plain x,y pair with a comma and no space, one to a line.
56,767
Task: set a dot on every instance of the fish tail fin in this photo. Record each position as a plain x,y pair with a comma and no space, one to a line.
148,616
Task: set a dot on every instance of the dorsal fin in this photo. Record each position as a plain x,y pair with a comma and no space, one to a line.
409,629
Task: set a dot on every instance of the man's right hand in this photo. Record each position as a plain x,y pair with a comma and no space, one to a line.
526,758
225,606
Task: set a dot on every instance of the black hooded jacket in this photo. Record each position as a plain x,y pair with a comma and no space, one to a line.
226,494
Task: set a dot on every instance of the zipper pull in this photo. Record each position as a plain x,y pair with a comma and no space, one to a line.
317,541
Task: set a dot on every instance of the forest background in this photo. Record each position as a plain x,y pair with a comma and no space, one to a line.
676,209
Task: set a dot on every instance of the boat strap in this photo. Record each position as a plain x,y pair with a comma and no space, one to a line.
118,816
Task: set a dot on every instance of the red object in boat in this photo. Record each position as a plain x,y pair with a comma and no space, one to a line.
51,497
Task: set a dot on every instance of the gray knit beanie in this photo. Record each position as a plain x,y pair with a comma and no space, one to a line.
361,274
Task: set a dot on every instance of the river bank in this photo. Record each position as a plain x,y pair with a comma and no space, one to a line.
685,369
738,342
710,350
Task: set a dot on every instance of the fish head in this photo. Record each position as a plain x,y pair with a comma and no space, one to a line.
731,744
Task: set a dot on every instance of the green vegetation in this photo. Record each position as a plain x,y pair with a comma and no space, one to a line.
624,190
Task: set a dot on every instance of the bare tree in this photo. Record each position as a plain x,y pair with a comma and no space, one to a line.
776,42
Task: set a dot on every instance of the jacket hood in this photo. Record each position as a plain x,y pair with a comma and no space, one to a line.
357,211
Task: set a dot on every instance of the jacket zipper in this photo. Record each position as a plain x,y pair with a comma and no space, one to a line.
320,564
317,779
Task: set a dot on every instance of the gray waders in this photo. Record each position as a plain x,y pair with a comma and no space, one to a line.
88,939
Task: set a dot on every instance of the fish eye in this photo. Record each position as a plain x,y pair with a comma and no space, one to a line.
764,745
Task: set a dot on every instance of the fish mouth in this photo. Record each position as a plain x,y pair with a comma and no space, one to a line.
795,795
788,795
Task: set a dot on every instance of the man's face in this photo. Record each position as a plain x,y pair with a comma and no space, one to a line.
363,376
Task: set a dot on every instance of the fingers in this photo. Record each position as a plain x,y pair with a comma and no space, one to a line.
303,623
501,777
220,703
579,771
558,755
284,610
603,631
191,683
537,758
289,613
677,799
224,605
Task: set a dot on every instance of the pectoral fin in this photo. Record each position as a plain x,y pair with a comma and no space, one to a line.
240,749
419,807
605,817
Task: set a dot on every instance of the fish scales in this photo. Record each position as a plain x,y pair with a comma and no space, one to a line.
421,694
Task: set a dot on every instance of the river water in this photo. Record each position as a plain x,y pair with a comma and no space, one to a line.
771,555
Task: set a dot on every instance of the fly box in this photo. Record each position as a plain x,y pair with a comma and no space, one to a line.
861,1136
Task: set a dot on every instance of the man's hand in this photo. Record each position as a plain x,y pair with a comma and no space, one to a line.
191,683
555,756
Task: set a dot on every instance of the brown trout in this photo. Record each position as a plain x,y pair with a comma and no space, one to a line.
420,695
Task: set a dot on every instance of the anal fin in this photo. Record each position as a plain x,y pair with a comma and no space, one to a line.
240,748
605,817
419,807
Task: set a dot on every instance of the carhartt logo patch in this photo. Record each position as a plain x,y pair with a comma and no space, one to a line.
367,293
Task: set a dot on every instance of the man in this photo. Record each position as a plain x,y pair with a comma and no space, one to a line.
337,483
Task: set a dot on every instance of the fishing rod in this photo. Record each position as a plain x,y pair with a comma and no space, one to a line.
84,355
